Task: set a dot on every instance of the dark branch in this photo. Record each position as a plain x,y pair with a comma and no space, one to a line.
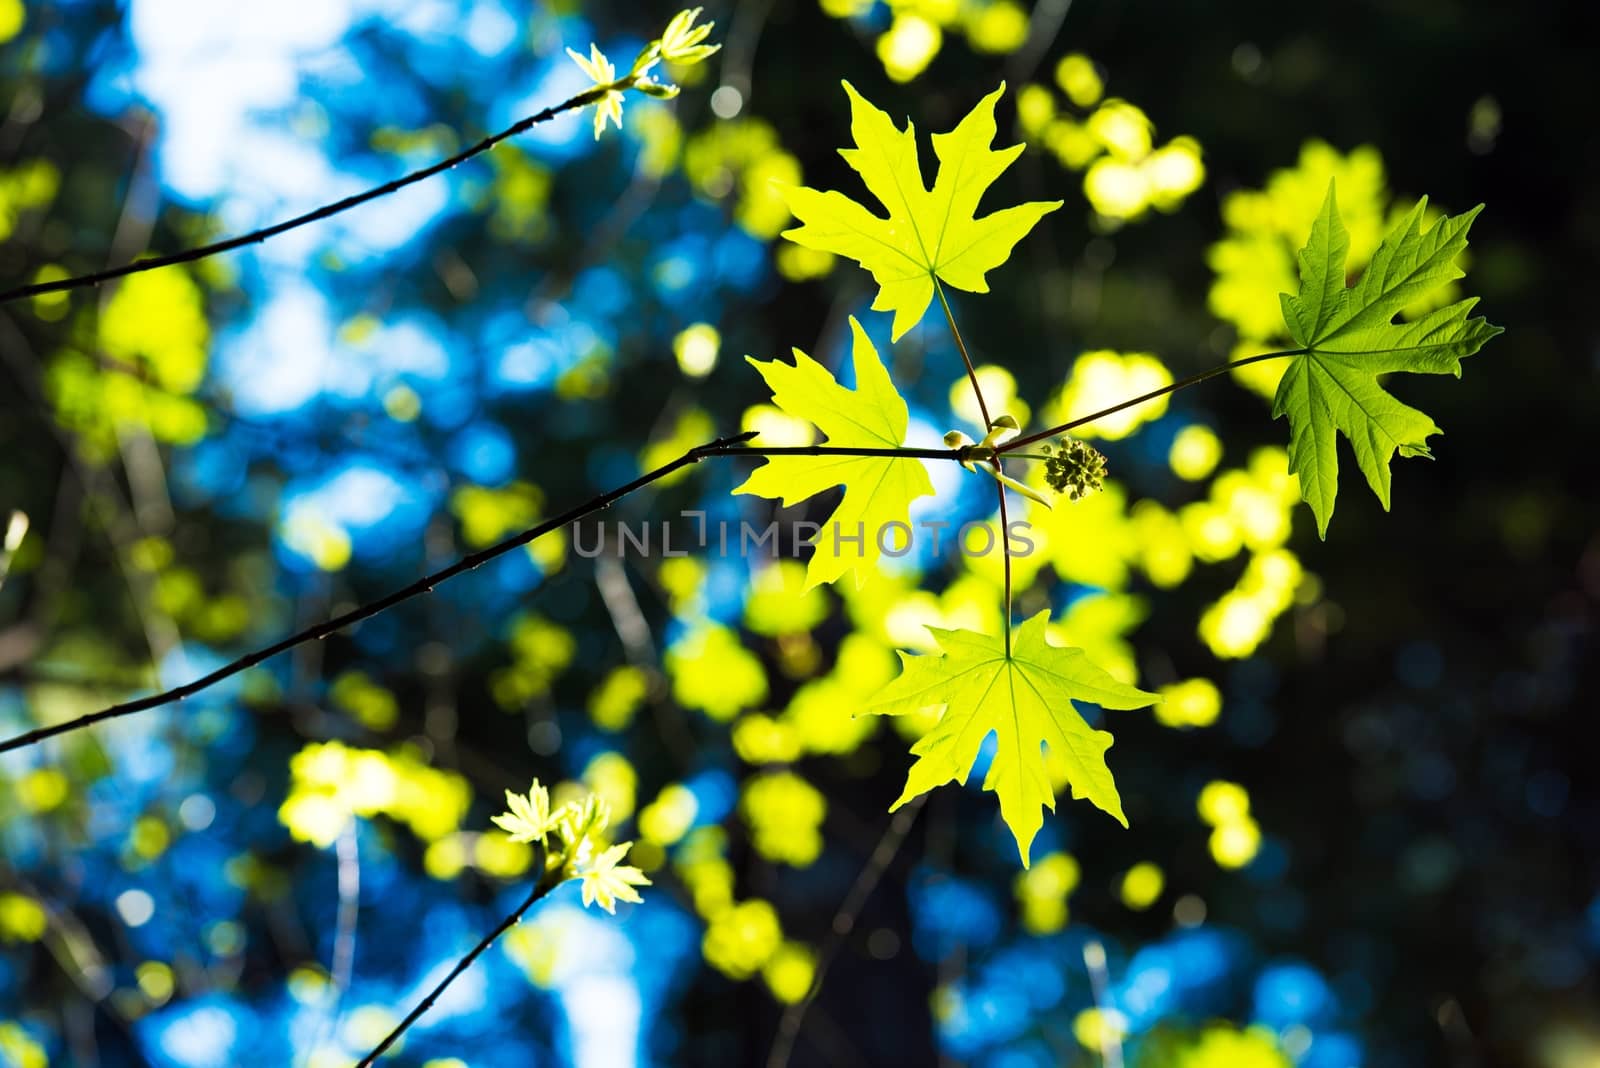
906,453
421,586
1183,383
257,236
844,921
540,889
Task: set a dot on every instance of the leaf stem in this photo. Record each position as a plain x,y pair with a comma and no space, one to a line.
972,372
201,252
1005,553
999,465
1185,383
540,888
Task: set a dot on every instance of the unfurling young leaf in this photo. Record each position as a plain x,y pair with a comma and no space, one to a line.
604,75
1024,698
985,458
928,234
682,41
527,817
572,845
878,490
605,882
1350,339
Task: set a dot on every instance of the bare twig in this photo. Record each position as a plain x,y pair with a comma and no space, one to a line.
1094,960
540,888
342,967
1182,383
200,252
419,587
844,922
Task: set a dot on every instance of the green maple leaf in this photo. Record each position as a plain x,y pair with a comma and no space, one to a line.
878,489
1350,339
929,234
1024,698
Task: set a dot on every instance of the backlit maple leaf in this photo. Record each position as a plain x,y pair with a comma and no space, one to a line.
878,489
928,234
1350,339
1024,698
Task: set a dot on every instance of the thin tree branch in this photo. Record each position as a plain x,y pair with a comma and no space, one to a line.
1184,383
588,96
1094,960
908,453
119,517
540,888
748,20
1043,26
420,586
616,593
341,967
844,921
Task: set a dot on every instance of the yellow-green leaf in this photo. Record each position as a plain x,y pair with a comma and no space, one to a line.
929,234
1025,699
878,489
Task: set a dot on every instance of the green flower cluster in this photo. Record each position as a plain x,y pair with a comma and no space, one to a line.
1074,467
